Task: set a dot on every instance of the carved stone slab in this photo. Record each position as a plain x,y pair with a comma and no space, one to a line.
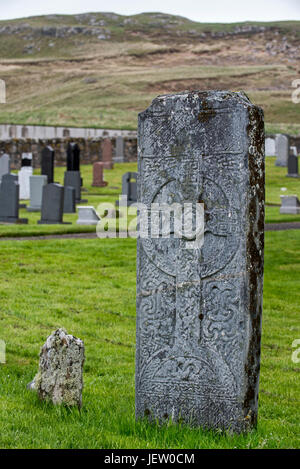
199,310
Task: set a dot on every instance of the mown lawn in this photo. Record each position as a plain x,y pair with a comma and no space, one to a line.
276,180
88,287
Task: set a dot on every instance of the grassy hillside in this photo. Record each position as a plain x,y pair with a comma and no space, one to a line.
101,69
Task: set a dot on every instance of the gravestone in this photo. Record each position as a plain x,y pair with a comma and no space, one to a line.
26,160
73,179
60,375
9,200
119,152
106,152
4,165
290,205
87,216
282,145
293,163
69,200
199,305
98,175
73,157
47,163
36,192
129,189
24,181
52,205
270,147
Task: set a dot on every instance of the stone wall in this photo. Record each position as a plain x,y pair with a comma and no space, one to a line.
90,149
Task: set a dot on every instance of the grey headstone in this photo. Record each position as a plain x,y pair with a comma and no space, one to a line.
290,205
4,165
60,376
199,310
293,166
119,153
24,182
52,205
87,216
129,188
36,192
9,200
47,163
270,147
73,179
282,144
69,200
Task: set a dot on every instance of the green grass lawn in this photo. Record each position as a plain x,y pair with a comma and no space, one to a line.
88,287
275,180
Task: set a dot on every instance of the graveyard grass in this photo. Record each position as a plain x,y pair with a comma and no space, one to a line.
275,180
88,287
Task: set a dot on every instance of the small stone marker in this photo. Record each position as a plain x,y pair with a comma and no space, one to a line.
98,175
290,205
73,157
270,147
4,165
282,144
47,163
24,182
199,309
106,151
9,200
87,216
69,200
119,153
60,376
36,192
129,189
52,205
73,179
293,163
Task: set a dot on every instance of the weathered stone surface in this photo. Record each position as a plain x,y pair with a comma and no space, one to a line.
199,310
119,152
36,192
106,151
290,205
47,163
60,375
98,175
282,146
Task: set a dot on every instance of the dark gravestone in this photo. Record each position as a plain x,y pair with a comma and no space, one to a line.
73,179
9,200
52,205
199,305
69,200
129,189
73,157
47,163
26,159
293,165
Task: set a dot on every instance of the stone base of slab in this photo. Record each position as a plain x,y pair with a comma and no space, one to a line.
18,221
82,201
292,175
87,222
295,211
22,205
33,209
103,184
47,222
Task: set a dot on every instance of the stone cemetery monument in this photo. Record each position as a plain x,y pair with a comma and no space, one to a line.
9,200
87,216
282,146
47,163
270,147
129,189
24,181
293,163
73,157
73,179
98,175
119,152
4,165
52,205
69,200
290,205
199,298
60,375
26,159
106,151
36,191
